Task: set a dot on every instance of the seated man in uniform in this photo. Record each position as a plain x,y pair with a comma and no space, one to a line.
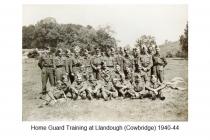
94,88
108,87
155,88
78,88
128,74
119,81
123,87
138,89
57,92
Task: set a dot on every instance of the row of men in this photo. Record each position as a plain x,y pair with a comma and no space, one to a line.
112,86
142,63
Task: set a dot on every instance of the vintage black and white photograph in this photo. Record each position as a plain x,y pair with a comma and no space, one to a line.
105,63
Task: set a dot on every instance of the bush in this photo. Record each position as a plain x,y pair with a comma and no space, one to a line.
180,54
33,54
169,55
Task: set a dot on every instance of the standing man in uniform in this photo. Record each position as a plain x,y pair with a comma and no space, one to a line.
77,62
96,64
127,65
118,59
112,52
136,61
60,63
151,49
159,64
137,71
47,65
109,60
86,65
146,63
69,65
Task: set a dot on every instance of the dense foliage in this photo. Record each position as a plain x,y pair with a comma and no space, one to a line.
146,40
48,33
184,41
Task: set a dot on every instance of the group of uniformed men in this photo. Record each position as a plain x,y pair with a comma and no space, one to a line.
115,73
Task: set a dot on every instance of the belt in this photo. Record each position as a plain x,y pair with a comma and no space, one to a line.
59,66
48,66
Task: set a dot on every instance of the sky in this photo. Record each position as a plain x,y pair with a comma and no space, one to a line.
129,22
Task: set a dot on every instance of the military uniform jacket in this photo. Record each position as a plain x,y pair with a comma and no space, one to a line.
47,60
77,64
78,86
146,61
86,63
94,84
127,62
104,73
96,62
159,61
154,85
60,61
136,64
118,76
69,65
118,60
63,86
108,84
138,87
109,61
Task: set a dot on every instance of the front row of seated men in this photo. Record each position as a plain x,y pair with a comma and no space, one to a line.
112,85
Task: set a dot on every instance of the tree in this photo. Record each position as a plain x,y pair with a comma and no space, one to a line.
104,38
146,40
47,32
28,35
183,40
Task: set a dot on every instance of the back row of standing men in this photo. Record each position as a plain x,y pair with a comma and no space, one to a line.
115,64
